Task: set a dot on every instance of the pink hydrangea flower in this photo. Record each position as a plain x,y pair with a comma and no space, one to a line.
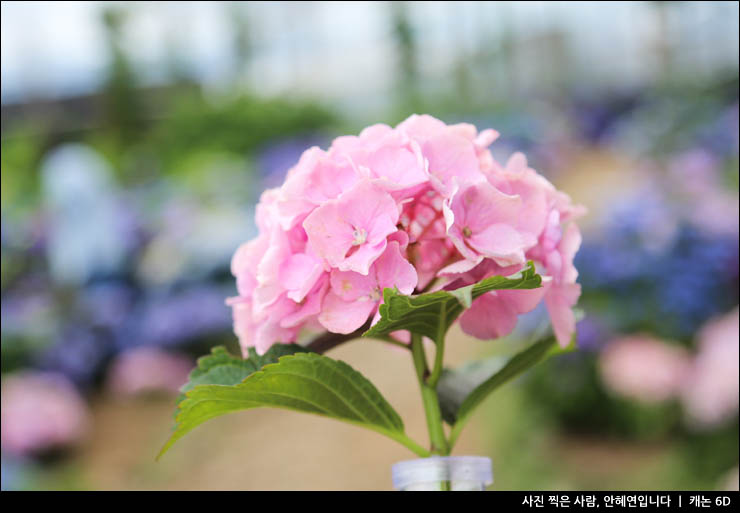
41,411
148,370
422,206
644,368
710,392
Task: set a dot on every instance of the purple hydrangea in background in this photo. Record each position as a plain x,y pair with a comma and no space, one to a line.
107,304
684,275
592,333
176,318
79,353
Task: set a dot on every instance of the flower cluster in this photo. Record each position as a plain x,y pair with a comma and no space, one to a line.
711,395
651,370
645,368
41,412
144,370
419,207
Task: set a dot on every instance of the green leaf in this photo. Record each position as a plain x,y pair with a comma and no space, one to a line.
222,368
305,382
432,314
456,384
518,364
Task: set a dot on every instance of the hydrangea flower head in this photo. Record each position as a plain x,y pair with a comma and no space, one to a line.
41,411
419,207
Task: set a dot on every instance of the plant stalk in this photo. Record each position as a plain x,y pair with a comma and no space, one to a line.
429,398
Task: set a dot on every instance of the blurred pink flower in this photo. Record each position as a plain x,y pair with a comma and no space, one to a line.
148,369
402,207
644,368
41,411
710,394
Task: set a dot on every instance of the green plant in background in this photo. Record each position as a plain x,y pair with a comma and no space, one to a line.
21,153
240,125
122,103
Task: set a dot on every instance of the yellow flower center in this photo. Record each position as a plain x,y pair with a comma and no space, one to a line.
360,236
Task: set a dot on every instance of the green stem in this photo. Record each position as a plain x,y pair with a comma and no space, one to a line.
434,421
455,433
429,399
440,351
420,359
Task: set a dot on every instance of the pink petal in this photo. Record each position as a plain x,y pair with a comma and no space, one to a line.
525,300
271,333
350,231
501,242
298,274
568,248
421,127
309,308
329,234
359,220
482,204
350,285
315,179
559,300
244,326
489,317
461,266
393,270
452,161
485,138
481,220
361,260
245,262
398,166
340,316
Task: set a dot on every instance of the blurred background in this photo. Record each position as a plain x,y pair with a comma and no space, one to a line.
137,137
